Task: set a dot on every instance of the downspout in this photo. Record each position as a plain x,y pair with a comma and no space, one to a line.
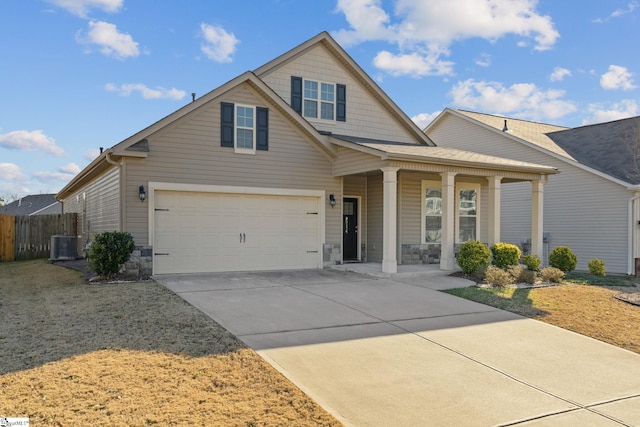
632,232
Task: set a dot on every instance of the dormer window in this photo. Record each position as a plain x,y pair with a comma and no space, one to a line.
314,99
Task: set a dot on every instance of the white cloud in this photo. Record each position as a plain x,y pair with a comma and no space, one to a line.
81,7
617,78
423,119
559,74
219,45
619,110
413,64
429,27
110,41
483,60
70,168
64,173
146,92
11,172
618,12
36,140
523,100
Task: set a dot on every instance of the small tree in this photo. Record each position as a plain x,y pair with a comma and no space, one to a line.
109,251
505,255
563,258
473,257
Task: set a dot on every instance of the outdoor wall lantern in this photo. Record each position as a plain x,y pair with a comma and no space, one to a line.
141,193
332,200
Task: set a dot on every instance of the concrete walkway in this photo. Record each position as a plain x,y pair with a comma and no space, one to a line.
382,351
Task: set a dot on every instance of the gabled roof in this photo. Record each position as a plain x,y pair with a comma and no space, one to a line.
137,144
438,155
358,74
535,133
39,204
612,147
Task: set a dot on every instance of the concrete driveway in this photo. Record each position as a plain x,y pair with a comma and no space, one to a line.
397,352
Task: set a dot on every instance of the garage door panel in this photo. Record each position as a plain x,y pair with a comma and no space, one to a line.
207,232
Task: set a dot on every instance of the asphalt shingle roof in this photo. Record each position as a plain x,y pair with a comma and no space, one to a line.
32,204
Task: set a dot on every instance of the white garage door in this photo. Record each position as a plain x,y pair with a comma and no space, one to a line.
208,232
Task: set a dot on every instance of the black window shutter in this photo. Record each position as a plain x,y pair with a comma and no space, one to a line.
262,128
226,124
296,94
341,103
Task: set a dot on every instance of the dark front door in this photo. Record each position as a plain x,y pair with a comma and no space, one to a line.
350,229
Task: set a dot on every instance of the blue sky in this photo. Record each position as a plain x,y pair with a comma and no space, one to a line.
76,75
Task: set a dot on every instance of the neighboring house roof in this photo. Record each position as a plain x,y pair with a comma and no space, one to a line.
39,204
535,133
612,147
443,155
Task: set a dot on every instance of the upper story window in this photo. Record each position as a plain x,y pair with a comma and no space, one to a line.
319,100
244,127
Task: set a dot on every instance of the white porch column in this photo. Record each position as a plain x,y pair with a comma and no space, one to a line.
389,220
447,256
494,209
537,213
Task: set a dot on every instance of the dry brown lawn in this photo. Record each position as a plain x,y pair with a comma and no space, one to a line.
585,309
129,354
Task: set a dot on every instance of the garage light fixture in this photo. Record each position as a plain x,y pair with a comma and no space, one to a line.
332,200
141,193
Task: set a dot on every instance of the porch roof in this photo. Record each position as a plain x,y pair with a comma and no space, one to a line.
407,152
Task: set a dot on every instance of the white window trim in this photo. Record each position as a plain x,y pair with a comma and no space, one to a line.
467,186
458,187
319,100
423,228
236,127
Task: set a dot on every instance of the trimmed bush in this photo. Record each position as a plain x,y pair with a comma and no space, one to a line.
497,277
109,251
596,267
473,257
532,262
562,257
505,255
529,276
552,274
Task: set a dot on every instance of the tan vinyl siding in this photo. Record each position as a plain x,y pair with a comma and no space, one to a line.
97,206
375,216
582,210
365,116
352,162
189,151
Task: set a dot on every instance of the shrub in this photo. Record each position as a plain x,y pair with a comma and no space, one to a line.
473,257
532,262
505,255
109,251
596,267
562,257
498,277
551,274
516,272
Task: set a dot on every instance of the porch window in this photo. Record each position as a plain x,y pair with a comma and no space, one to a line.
467,214
432,212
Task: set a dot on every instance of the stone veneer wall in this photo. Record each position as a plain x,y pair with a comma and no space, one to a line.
331,254
140,262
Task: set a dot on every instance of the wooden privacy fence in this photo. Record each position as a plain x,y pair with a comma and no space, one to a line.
29,237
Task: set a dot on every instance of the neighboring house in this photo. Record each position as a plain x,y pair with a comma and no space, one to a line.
592,206
39,204
302,163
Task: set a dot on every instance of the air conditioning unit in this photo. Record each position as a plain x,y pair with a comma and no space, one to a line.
64,248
